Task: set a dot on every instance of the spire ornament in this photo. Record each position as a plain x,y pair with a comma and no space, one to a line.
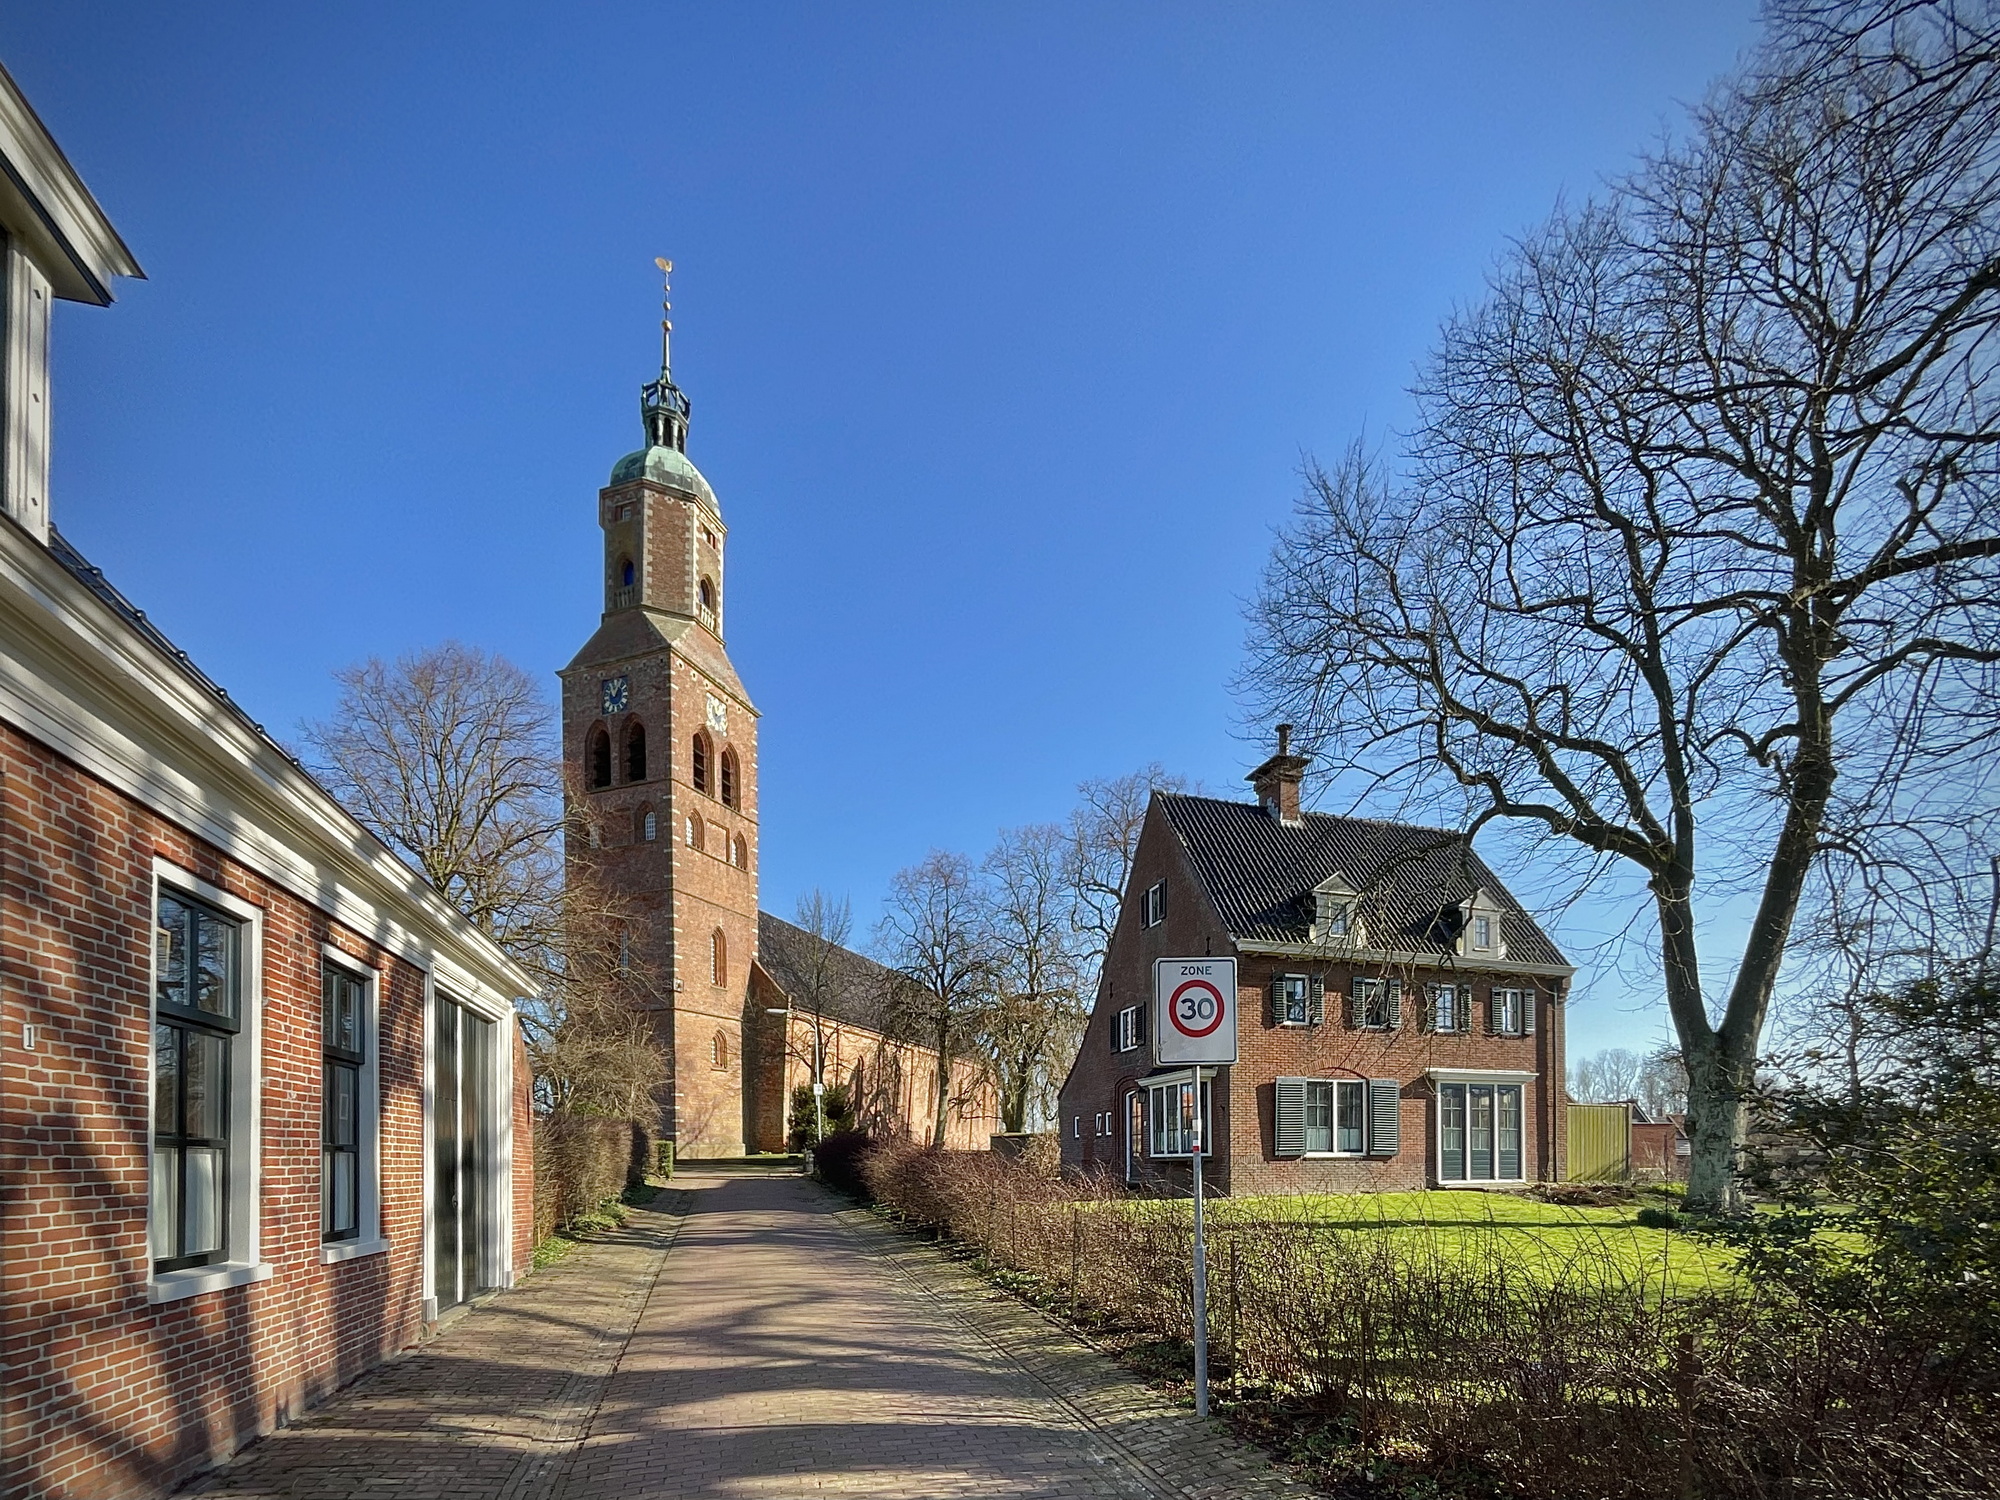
663,405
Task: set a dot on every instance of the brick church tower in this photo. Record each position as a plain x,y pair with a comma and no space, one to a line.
661,743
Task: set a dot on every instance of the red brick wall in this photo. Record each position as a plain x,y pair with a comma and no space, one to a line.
107,1394
1244,1096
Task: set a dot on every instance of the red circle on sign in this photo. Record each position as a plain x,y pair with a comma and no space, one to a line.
1174,1007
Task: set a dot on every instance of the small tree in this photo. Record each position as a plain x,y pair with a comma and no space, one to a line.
933,936
1035,1015
1103,836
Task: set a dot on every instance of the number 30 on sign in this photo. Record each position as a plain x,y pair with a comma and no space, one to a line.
1194,1010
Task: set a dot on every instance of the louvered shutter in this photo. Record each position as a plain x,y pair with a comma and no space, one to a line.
1385,1117
1274,1007
1428,1019
1527,1012
1316,1000
1290,1117
1492,1011
1356,1012
1395,1006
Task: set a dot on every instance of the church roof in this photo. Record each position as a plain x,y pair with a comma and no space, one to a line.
665,466
857,988
1260,873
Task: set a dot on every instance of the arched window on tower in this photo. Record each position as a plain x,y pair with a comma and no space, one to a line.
635,751
698,762
627,574
708,602
718,954
694,832
646,825
729,778
718,1051
597,757
740,854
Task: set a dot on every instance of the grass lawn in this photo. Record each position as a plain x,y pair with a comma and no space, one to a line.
1547,1241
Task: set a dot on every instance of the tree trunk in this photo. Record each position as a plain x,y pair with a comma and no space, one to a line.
1718,1121
943,1088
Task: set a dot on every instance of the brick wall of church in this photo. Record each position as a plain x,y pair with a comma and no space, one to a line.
108,1394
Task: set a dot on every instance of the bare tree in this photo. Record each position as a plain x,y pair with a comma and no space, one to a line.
1662,1089
1691,566
1035,1015
827,923
1103,836
932,934
449,755
1605,1077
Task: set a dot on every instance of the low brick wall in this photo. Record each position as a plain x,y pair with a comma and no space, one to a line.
580,1161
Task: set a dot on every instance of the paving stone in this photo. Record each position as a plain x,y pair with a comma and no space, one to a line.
752,1337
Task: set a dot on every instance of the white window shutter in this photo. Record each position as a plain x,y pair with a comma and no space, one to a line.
1527,1012
1290,1118
1385,1116
1316,1000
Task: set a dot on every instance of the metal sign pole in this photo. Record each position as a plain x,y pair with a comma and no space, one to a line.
1200,1264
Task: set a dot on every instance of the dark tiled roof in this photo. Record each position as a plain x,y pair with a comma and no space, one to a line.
857,988
1260,874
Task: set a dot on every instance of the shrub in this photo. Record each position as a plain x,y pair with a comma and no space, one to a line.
841,1160
582,1161
1651,1217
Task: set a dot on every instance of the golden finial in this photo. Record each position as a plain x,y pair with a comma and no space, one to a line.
666,307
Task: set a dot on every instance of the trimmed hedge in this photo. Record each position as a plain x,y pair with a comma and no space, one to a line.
580,1161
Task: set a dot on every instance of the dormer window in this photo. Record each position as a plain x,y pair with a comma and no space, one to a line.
1482,933
1479,933
1335,920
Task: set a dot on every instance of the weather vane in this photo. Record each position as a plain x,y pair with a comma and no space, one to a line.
666,307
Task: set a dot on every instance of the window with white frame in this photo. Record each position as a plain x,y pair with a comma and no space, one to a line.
1512,1011
1447,1007
1153,905
1377,1005
197,1026
1479,1132
202,1222
1128,1029
1291,999
345,1044
1337,1117
1171,1115
1482,932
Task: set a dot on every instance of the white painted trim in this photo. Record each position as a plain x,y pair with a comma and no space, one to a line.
343,1250
26,306
1481,1075
244,1195
44,200
369,1189
1397,958
77,678
173,1286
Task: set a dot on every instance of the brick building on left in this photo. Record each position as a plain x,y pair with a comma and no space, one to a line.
263,1108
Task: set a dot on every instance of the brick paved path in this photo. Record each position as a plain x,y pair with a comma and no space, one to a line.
782,1348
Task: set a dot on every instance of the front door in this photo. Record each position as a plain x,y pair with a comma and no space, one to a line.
1135,1126
463,1254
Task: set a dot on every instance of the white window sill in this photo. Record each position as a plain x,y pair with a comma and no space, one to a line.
1333,1155
340,1250
1483,1182
172,1286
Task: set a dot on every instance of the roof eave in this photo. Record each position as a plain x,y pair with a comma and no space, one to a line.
45,203
1397,957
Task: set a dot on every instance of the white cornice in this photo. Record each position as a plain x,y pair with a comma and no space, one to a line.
76,677
44,203
1398,959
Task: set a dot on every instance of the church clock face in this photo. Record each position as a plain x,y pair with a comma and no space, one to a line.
617,694
718,715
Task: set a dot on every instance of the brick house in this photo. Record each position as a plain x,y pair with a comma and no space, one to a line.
263,1110
818,997
1401,1015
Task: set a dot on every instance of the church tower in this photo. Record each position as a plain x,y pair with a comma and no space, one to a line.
660,740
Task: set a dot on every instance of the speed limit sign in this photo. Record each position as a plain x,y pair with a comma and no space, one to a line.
1194,1010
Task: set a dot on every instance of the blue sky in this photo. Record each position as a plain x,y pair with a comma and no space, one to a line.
1006,329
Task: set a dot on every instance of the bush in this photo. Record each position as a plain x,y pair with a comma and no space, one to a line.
1658,1218
836,1104
1442,1364
840,1161
582,1161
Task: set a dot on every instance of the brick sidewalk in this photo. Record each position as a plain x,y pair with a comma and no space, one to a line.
786,1347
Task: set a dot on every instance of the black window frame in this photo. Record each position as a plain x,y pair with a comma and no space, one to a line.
178,1020
336,1062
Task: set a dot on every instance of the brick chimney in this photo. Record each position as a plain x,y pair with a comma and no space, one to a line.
1277,780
